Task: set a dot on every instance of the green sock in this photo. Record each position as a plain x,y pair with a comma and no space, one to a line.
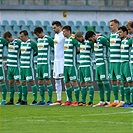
4,91
76,93
91,93
69,93
131,92
50,91
122,92
84,93
115,90
107,86
19,91
127,94
101,90
34,92
24,93
42,92
12,91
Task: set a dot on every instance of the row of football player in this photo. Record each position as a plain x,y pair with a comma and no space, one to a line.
67,55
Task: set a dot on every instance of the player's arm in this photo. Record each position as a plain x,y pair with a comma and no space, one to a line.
77,44
34,46
4,42
104,41
19,44
51,42
130,41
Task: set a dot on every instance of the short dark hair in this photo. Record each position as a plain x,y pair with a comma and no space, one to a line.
115,21
24,32
123,28
89,34
38,30
57,23
7,34
67,27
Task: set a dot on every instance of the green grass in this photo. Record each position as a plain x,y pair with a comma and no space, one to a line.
59,119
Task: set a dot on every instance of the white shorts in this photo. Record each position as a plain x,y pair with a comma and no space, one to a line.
58,69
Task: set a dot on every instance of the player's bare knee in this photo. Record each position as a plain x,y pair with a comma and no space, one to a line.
114,82
130,84
48,81
2,81
89,84
40,81
74,84
23,83
82,84
32,82
11,82
67,84
17,82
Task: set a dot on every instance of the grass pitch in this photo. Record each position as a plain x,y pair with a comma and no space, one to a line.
59,119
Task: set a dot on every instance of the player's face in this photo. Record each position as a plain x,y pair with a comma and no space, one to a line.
113,26
92,39
56,28
23,37
130,29
121,33
66,33
40,35
80,39
9,39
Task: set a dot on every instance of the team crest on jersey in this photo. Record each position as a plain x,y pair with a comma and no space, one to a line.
82,48
96,46
66,46
112,41
40,46
55,42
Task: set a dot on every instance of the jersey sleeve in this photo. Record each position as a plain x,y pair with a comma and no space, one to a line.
34,46
51,42
104,41
4,42
130,41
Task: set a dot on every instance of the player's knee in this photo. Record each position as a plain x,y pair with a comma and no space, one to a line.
2,81
67,84
23,83
40,81
82,84
74,84
48,81
11,82
17,82
114,82
32,82
89,84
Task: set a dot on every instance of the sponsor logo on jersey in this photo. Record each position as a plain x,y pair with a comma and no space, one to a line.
11,48
23,50
55,42
73,78
96,46
82,48
66,46
40,46
112,41
122,47
102,76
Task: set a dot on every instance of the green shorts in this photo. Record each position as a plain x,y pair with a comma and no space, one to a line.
27,74
13,73
125,71
2,73
85,74
43,71
70,73
101,72
115,71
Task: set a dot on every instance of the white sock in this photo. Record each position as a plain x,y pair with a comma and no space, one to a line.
58,86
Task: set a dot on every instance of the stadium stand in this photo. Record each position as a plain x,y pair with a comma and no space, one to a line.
38,23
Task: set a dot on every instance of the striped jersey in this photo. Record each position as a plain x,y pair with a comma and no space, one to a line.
86,49
28,51
70,50
13,58
115,43
100,50
44,49
3,43
131,51
126,44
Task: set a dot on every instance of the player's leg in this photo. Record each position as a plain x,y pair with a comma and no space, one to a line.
41,86
10,78
3,86
58,75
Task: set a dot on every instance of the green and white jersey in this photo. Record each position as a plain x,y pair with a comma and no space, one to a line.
3,43
115,42
44,49
28,51
125,49
13,58
70,50
131,56
100,50
86,49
